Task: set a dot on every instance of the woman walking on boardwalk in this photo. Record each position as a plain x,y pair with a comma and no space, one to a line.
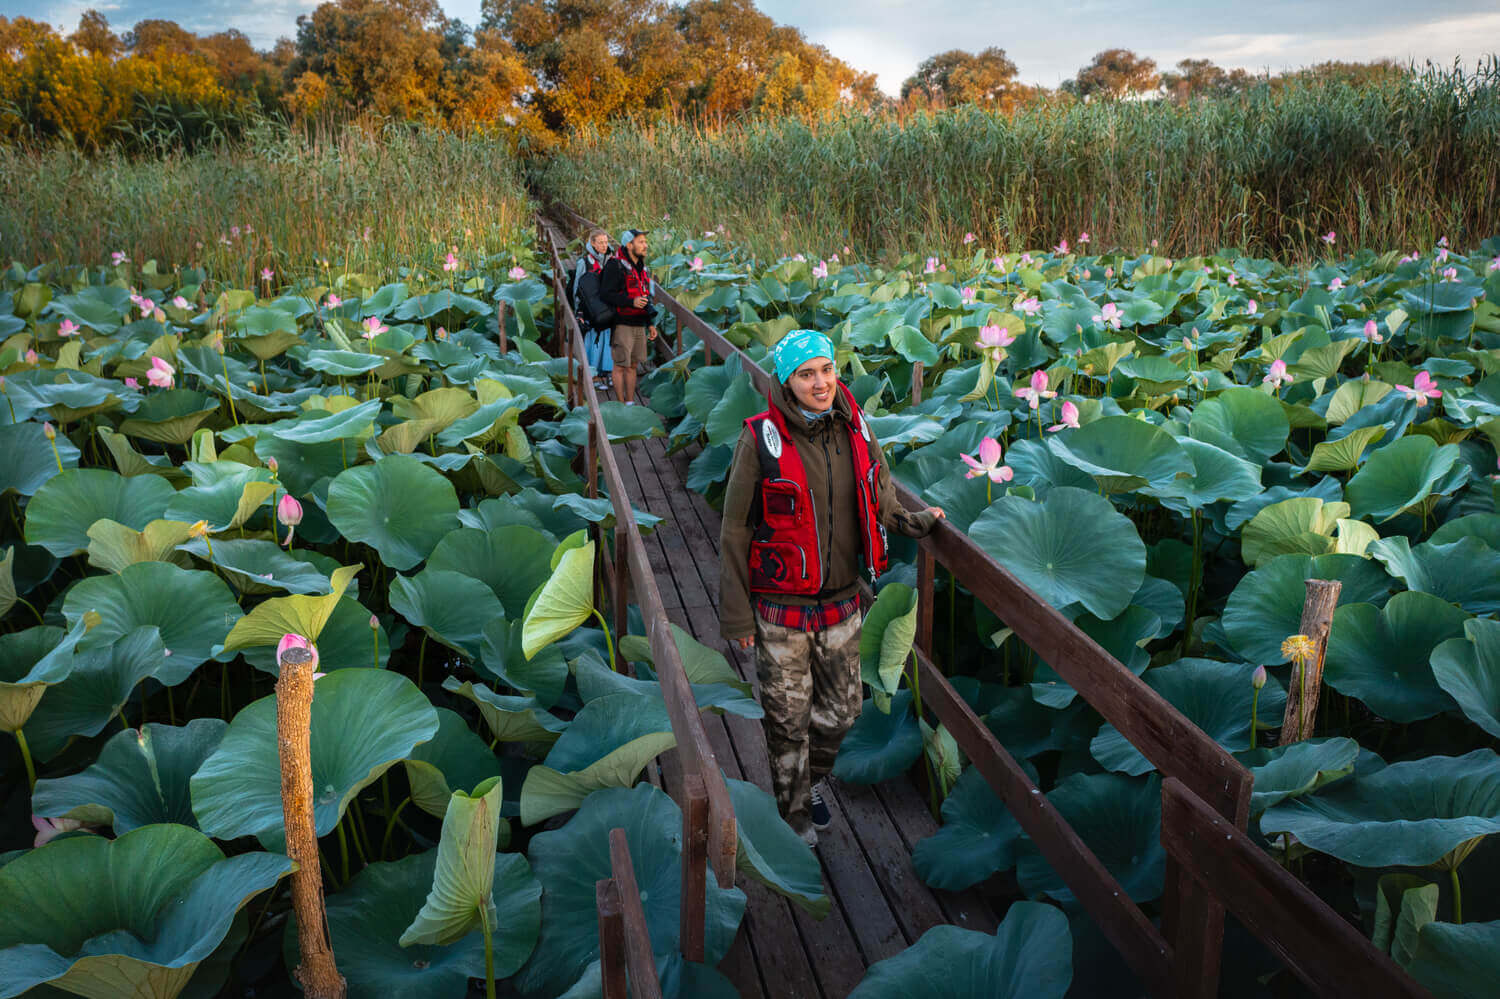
807,509
596,342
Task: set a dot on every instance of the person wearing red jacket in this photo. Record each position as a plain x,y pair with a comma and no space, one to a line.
808,505
625,284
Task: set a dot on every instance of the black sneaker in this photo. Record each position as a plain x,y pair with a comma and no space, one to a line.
819,811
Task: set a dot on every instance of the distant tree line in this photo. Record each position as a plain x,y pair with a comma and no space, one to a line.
535,69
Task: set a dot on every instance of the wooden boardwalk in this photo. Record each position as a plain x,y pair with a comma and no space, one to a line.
880,906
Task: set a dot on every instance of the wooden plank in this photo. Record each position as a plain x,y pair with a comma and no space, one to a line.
693,910
1194,923
908,811
889,859
1323,949
639,959
850,879
611,938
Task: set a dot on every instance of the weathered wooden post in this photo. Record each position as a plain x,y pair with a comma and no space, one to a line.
926,570
611,938
694,868
1307,666
916,382
318,974
638,957
622,583
500,325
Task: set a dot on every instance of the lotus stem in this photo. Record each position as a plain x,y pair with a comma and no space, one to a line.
489,952
421,660
608,643
55,456
30,607
359,832
26,759
228,394
1458,895
264,385
1195,580
1254,713
390,826
343,853
375,635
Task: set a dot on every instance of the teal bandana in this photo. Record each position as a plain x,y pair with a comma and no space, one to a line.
797,348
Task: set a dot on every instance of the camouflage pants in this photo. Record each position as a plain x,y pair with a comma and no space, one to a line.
811,693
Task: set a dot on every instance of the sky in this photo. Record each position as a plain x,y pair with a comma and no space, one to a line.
1048,42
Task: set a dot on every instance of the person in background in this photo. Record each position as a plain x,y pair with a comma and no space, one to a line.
625,285
807,508
595,341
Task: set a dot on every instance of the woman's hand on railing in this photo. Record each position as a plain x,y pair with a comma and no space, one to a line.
747,642
937,512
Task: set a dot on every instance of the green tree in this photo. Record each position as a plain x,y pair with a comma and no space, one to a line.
1115,74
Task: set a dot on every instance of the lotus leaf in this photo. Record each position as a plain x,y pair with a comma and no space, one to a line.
881,744
511,560
462,896
1404,903
345,640
701,663
1030,956
1266,606
1301,525
1457,961
568,861
978,837
563,603
885,638
1468,669
114,546
1119,818
1465,571
1242,421
170,417
26,459
140,778
1381,655
453,759
363,720
261,566
131,917
1409,814
398,506
1123,636
1402,474
67,505
30,662
543,676
510,719
595,680
1043,545
314,426
1218,476
449,606
1282,772
95,691
621,423
771,853
229,497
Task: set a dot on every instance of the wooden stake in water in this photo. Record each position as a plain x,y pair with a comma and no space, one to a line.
1307,671
294,692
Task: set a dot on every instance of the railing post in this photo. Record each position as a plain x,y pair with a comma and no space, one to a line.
1307,674
916,382
694,867
622,585
611,938
638,957
926,569
500,327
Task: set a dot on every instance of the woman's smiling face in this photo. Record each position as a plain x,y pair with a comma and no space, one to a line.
813,384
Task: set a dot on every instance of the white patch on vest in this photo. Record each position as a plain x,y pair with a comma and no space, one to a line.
771,437
864,428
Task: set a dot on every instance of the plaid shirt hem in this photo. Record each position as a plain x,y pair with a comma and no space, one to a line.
809,617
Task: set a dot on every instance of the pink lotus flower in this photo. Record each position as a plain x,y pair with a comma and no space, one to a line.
1109,272
834,258
1442,254
131,383
967,295
1335,284
333,301
273,465
1421,389
160,373
290,641
234,231
931,266
847,251
1495,264
450,263
266,274
1030,305
1027,259
49,829
1109,315
1232,280
517,273
993,340
1450,274
1036,391
373,328
1153,244
1329,237
998,262
969,237
1083,238
289,512
696,264
145,305
440,333
1069,418
67,328
1250,307
1372,332
820,269
181,303
988,462
30,357
1061,247
1278,375
800,258
118,257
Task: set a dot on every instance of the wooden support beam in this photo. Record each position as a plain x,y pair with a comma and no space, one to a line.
926,569
639,959
501,337
694,909
611,939
1302,693
916,382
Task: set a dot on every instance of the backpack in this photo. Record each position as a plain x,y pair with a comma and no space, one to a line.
590,307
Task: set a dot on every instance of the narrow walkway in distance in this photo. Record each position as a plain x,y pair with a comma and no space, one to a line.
880,906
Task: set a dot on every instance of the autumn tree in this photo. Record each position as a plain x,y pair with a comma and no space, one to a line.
958,77
378,55
1115,74
94,36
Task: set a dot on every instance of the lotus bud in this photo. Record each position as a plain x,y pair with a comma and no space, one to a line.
289,511
290,641
199,529
1258,679
374,622
273,465
50,431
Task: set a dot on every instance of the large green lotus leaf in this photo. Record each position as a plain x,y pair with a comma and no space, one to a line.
301,614
978,837
601,511
607,744
1214,696
7,581
1404,903
1242,421
1123,636
512,561
366,920
398,506
1124,454
193,610
886,637
1409,814
30,662
564,602
1266,607
510,719
1282,772
114,546
726,419
1343,455
1071,547
363,720
1458,961
140,778
1119,818
346,640
1468,669
26,459
1218,476
1300,525
621,423
95,691
258,566
1465,571
1030,956
170,417
543,676
449,606
485,422
62,511
1038,466
701,664
129,918
453,759
568,862
229,499
1484,526
880,745
1403,474
313,426
462,896
595,679
342,363
1381,655
679,979
771,853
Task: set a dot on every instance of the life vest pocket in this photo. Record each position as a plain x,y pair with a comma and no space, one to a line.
776,564
780,507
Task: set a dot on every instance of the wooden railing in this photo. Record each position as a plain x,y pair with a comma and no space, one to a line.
1211,862
709,831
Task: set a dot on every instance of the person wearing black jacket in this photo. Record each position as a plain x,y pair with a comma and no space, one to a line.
625,285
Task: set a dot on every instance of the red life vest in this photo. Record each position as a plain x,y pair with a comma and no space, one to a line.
637,285
785,553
